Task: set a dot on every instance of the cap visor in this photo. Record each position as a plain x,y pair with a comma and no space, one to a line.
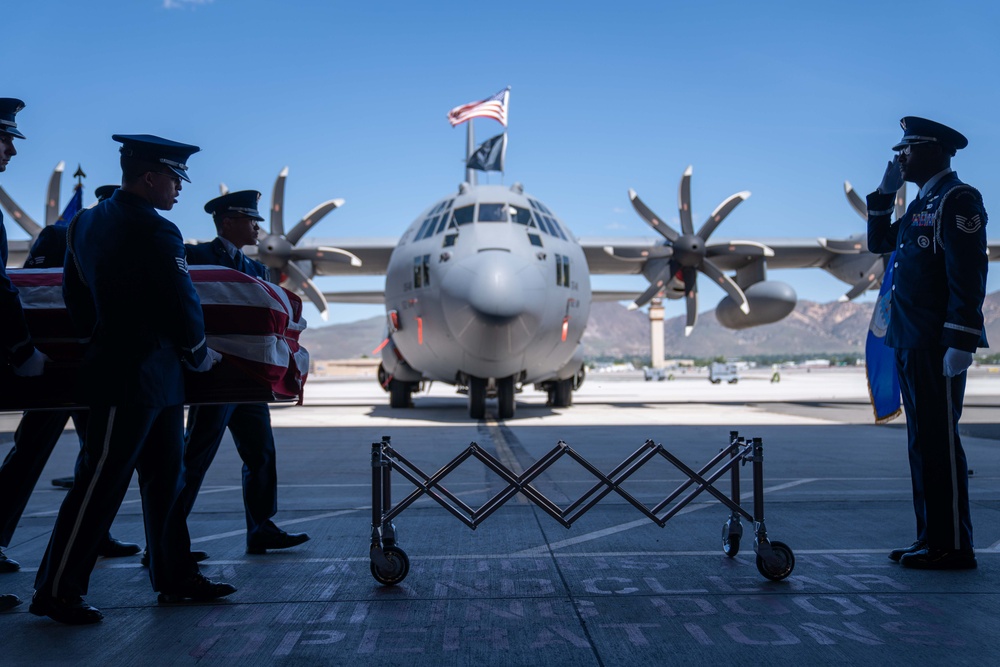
180,173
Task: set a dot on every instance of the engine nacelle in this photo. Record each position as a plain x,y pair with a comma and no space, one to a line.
769,301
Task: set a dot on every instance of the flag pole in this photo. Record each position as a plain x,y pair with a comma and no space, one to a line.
470,148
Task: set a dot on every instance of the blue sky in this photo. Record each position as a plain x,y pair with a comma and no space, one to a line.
785,99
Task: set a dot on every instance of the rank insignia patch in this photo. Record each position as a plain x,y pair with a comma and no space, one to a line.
182,264
969,225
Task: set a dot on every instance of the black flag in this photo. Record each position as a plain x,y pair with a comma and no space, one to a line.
490,154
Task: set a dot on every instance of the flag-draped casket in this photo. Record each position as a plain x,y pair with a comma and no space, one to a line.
254,325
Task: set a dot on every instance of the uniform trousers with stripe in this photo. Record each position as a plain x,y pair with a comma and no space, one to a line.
250,426
119,440
939,470
35,438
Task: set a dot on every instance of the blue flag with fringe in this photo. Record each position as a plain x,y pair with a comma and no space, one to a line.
880,359
72,208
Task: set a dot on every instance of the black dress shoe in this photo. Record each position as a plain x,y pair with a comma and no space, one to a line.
896,554
8,602
63,482
70,610
940,559
7,564
112,548
282,540
196,556
197,588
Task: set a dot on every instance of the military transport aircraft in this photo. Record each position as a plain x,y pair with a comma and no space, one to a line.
489,290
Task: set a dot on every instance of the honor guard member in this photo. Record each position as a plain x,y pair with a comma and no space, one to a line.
236,221
16,347
127,287
935,325
39,430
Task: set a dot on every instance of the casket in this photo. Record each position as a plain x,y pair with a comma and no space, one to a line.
254,325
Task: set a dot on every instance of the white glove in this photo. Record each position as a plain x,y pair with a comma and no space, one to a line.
33,365
956,362
892,179
211,359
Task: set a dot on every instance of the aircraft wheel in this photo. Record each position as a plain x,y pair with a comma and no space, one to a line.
399,394
477,397
562,394
505,397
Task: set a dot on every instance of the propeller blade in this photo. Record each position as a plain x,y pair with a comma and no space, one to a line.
855,200
726,283
747,248
871,278
845,247
640,254
326,254
278,204
720,213
20,217
684,202
901,201
301,282
690,299
311,218
52,211
654,287
651,218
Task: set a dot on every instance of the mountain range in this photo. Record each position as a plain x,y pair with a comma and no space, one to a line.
614,331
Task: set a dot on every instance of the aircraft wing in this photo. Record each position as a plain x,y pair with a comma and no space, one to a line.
355,297
788,253
374,254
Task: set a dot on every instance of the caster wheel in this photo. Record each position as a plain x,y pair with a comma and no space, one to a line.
730,541
399,567
781,564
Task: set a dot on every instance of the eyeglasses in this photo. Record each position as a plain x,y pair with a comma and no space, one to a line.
907,149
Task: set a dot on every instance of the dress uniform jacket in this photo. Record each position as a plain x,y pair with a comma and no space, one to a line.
15,341
939,280
128,288
938,287
249,424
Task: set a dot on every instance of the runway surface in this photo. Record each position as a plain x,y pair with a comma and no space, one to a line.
614,589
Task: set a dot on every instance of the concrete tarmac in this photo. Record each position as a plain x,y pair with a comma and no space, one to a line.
614,589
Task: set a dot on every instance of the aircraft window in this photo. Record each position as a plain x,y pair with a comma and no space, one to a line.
423,228
440,227
559,269
555,228
430,228
492,212
421,271
565,272
533,204
449,240
463,214
544,226
535,239
521,216
543,209
427,270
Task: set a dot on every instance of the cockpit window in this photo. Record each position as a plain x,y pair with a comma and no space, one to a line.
555,228
492,212
521,216
463,214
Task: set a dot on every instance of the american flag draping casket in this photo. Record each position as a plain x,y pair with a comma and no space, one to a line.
254,325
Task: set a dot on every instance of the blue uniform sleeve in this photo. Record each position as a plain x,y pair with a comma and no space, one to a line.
179,294
77,295
882,231
962,232
15,340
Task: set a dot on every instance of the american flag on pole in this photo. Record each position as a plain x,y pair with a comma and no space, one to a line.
494,107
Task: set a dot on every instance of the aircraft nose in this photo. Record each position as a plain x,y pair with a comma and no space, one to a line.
494,296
